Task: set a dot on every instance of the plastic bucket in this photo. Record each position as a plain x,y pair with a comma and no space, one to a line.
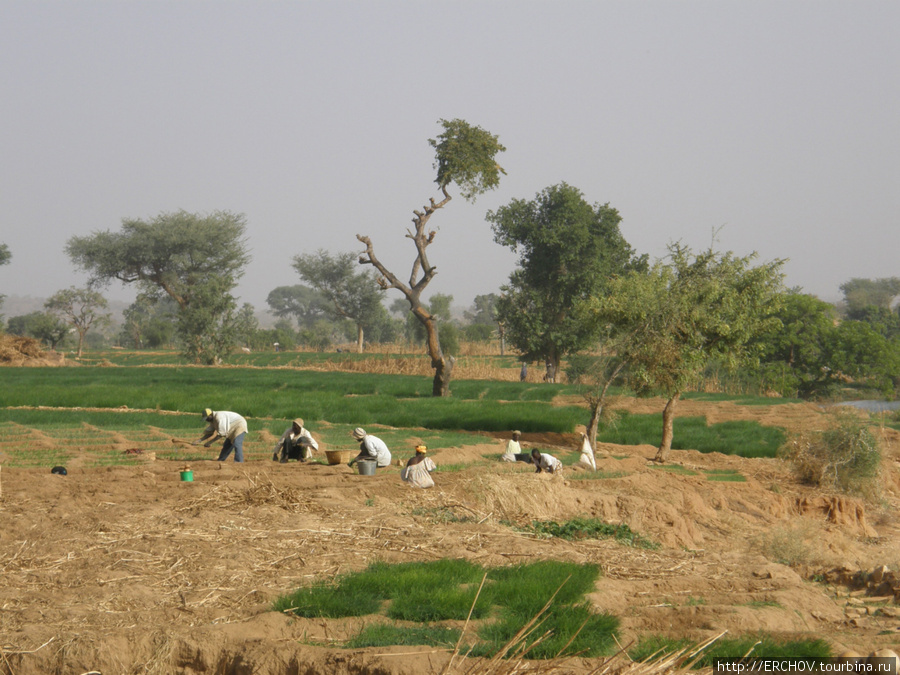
367,467
187,476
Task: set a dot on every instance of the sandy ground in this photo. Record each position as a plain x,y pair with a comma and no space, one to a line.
132,570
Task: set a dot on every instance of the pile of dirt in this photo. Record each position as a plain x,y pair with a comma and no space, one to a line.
130,569
16,350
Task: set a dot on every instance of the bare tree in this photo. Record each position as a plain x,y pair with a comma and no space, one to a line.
465,155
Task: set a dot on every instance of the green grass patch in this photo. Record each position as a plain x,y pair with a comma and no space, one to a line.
734,648
761,604
445,590
597,475
357,399
724,475
388,635
743,438
674,468
588,528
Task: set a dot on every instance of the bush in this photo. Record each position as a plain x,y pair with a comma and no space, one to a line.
844,457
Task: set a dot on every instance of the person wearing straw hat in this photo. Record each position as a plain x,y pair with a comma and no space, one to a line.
370,447
545,462
417,471
295,443
228,425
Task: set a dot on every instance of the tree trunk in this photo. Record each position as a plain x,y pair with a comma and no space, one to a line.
442,372
359,339
594,424
552,365
668,429
443,367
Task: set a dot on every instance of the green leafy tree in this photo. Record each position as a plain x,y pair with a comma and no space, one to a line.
349,295
809,353
794,351
567,250
464,155
304,304
81,308
678,316
196,260
46,327
860,294
149,321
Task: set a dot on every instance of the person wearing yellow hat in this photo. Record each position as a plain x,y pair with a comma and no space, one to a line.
417,471
295,443
370,447
228,425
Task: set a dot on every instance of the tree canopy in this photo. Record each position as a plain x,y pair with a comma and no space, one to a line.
5,255
303,303
194,259
81,308
349,295
465,155
674,319
860,294
568,250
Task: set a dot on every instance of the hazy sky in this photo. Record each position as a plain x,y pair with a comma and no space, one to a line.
776,124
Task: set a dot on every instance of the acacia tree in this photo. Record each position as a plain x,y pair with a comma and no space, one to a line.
298,301
464,155
679,316
860,294
349,295
567,249
194,259
81,308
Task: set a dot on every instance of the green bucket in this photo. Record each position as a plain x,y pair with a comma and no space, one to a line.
187,476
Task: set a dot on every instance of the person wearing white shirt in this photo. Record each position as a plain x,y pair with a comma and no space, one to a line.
228,425
371,447
295,443
545,462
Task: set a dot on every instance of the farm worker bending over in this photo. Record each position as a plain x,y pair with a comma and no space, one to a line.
513,451
545,462
370,447
228,425
417,471
295,443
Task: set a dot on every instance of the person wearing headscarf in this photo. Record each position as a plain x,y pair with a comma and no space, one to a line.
417,471
370,447
228,425
513,452
545,462
295,443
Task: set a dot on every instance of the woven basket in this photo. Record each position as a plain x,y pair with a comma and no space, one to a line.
338,456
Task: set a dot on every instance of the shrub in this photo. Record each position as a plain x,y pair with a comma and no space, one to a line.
844,457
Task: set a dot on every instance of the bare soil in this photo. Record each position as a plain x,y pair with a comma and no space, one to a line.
132,570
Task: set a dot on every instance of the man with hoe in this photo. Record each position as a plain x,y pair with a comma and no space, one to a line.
228,425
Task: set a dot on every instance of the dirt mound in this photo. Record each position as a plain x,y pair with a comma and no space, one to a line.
25,351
